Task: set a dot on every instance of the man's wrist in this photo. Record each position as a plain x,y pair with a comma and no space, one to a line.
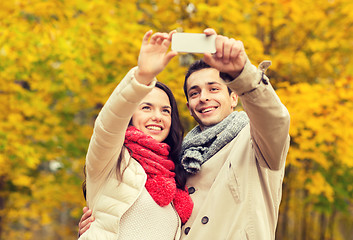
234,75
226,76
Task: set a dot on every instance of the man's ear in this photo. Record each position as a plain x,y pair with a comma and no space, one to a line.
234,99
187,104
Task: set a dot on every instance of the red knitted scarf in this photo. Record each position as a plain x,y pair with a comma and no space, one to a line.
153,157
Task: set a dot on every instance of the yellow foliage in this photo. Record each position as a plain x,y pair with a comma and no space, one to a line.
60,60
318,185
23,181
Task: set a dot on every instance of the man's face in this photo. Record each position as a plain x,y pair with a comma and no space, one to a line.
209,100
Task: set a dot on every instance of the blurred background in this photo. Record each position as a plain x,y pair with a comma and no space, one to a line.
61,59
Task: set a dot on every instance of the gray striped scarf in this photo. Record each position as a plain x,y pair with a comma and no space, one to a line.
199,146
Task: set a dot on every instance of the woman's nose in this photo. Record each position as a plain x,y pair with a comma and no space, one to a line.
157,116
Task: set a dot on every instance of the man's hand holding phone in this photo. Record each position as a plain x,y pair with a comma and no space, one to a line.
225,54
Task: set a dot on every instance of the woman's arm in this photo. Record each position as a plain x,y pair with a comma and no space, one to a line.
111,124
112,121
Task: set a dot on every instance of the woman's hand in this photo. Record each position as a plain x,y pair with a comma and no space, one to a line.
154,56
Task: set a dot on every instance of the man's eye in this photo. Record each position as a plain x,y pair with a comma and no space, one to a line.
146,108
193,94
214,89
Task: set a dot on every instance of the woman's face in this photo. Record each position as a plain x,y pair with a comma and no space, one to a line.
153,116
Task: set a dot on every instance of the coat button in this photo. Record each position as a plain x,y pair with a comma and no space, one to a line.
191,190
265,81
186,230
204,220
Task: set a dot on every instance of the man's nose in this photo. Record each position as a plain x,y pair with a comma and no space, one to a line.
204,96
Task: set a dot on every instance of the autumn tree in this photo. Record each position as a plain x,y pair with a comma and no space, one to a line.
60,60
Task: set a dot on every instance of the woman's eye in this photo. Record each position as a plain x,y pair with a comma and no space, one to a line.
146,108
167,111
214,89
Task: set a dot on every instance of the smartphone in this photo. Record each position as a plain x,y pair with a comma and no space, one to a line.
193,43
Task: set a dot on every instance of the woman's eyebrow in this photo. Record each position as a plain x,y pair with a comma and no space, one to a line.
150,104
146,103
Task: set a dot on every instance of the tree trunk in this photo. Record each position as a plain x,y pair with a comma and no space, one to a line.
304,234
282,228
331,224
2,204
323,223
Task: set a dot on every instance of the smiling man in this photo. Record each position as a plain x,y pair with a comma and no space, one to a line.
235,159
209,100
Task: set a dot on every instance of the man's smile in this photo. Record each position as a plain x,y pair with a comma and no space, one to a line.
207,109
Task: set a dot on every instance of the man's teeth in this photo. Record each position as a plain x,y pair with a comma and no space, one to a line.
207,109
154,128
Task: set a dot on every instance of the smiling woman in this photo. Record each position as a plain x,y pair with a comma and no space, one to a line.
153,116
135,182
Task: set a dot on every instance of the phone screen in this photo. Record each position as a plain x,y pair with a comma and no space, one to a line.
193,43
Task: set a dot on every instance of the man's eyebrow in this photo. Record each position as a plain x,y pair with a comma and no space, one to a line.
208,83
193,87
211,83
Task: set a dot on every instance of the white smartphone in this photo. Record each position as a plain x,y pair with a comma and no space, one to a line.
193,43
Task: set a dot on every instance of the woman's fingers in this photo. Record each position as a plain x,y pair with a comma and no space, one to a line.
146,37
158,38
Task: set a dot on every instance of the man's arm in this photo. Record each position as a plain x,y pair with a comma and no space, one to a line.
269,119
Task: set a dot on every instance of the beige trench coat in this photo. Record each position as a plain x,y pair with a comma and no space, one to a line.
237,192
